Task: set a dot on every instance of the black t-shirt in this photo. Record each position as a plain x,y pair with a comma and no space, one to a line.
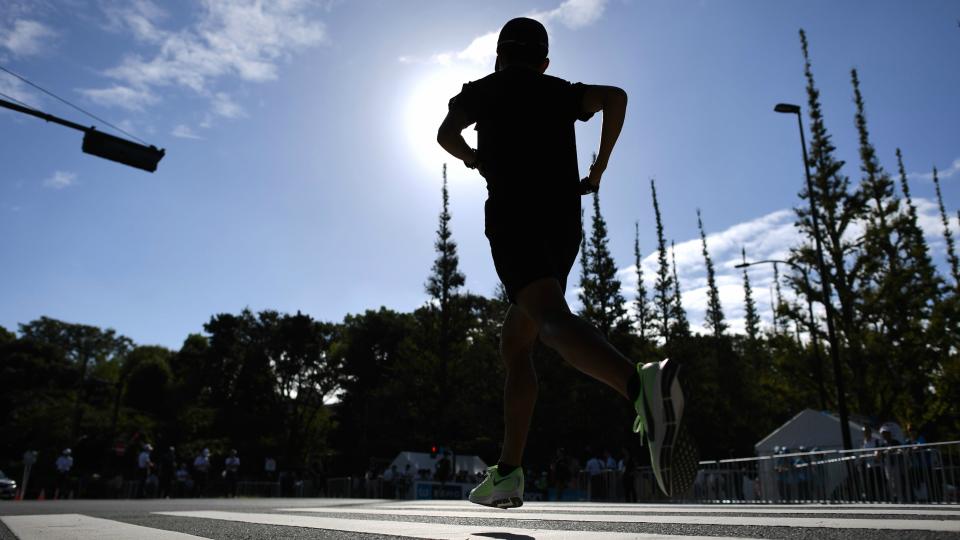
527,148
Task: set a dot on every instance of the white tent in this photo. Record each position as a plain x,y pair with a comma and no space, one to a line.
422,460
810,429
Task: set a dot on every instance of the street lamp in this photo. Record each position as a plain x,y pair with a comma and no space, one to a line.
102,144
788,108
821,388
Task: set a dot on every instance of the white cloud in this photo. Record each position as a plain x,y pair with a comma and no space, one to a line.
18,90
60,180
225,106
184,131
26,37
950,171
482,51
126,97
573,14
768,237
244,39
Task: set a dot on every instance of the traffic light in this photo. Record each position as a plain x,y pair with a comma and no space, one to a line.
434,450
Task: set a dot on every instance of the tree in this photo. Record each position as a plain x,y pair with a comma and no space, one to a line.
947,234
602,304
644,312
752,318
681,326
663,296
838,208
714,315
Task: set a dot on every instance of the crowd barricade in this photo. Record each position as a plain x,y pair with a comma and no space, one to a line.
917,473
355,487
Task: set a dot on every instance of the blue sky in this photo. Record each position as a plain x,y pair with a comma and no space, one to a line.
302,173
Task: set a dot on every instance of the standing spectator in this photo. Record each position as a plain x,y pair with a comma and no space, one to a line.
443,469
594,466
168,463
270,469
872,468
628,468
64,465
201,471
184,482
231,470
144,469
608,461
561,472
390,477
892,465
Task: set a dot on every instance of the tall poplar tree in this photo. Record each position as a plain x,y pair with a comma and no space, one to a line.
714,316
644,313
663,287
600,297
838,208
947,234
752,318
681,326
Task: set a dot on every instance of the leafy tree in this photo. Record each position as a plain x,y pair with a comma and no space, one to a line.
714,315
600,297
663,296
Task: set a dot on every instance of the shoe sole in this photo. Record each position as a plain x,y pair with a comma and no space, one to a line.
503,504
677,453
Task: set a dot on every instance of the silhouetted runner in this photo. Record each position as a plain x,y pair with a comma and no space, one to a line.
526,151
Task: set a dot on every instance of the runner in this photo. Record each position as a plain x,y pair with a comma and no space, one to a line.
526,151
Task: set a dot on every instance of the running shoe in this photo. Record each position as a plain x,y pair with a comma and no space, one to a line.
499,491
673,454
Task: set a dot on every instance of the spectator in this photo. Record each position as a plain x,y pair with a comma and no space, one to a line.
144,470
560,467
168,463
443,469
628,467
184,482
608,461
270,469
390,477
892,465
231,471
872,468
594,466
201,471
64,465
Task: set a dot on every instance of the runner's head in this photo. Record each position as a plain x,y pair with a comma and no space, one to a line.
523,42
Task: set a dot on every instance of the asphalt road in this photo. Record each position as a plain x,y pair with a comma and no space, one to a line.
255,519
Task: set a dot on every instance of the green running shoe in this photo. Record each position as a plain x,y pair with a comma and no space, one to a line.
673,454
499,491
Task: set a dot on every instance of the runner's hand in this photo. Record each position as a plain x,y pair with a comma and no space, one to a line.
591,184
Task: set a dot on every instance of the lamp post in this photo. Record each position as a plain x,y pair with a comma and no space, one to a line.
821,388
787,108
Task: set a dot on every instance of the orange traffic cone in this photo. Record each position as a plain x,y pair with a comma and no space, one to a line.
18,496
42,496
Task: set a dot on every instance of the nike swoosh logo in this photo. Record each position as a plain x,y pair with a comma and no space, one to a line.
502,480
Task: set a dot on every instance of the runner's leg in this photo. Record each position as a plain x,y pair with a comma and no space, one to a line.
575,340
517,338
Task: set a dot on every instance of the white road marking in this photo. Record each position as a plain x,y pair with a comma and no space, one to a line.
685,509
80,527
438,531
833,523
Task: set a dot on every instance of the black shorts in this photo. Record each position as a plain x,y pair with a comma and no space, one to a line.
524,256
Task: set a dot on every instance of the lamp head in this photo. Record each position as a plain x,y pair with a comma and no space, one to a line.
787,108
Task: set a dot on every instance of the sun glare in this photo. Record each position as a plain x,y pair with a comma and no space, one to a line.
425,109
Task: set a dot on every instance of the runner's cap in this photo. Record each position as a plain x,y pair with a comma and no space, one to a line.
524,32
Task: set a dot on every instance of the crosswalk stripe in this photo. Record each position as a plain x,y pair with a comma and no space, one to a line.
833,523
677,509
79,526
438,531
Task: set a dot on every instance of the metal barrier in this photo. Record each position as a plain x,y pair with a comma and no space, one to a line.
918,473
247,488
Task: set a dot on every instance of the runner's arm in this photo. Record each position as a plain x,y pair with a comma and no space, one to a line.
452,141
613,102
